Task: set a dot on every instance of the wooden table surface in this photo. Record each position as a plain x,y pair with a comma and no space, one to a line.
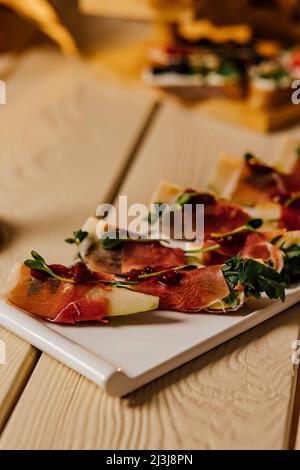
69,142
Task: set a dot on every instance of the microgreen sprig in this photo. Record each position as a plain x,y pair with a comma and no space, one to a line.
252,226
205,249
77,238
38,263
158,273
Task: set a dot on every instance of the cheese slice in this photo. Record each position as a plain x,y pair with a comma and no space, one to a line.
287,156
166,192
268,211
226,175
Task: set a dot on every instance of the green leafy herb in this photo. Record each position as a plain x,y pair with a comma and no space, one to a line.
184,198
39,264
291,268
254,277
77,238
251,226
227,69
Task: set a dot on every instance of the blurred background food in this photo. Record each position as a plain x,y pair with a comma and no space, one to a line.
244,51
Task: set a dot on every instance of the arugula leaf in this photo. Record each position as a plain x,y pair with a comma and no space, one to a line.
254,277
291,268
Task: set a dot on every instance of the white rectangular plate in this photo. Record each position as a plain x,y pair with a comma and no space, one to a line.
131,351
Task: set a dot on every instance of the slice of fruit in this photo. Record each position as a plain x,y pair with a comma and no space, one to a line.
123,301
66,302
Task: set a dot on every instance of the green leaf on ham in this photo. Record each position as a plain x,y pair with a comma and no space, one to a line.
254,278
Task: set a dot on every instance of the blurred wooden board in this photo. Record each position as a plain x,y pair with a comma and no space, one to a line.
167,11
241,113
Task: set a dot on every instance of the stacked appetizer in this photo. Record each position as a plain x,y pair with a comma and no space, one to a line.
201,60
245,252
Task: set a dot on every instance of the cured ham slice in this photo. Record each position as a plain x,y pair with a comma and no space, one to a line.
258,246
187,291
57,301
252,245
219,215
138,255
259,183
290,216
223,217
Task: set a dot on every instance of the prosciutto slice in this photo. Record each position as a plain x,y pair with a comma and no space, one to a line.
222,217
56,301
258,246
260,183
290,216
219,215
255,245
191,291
138,255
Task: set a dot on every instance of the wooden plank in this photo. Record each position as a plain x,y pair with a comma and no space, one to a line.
294,439
236,396
21,358
65,140
233,397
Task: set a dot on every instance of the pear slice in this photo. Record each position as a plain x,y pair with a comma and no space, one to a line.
124,301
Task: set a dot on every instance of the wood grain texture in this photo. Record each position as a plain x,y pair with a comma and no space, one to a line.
21,359
65,139
237,396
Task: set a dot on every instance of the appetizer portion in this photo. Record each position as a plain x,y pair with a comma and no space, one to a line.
190,69
269,84
72,294
201,60
214,288
269,192
246,247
